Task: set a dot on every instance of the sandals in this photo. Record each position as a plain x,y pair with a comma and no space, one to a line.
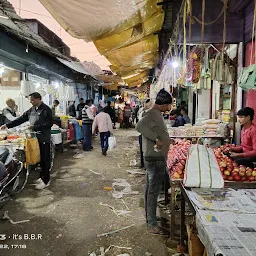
158,231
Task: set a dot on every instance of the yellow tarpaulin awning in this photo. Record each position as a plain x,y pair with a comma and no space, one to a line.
122,31
131,35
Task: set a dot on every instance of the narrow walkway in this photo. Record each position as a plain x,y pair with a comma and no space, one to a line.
75,208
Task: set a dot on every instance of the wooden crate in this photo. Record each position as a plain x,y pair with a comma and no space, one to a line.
195,246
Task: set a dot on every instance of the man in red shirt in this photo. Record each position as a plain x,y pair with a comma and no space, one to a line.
246,153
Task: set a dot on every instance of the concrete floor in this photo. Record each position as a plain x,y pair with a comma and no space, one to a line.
69,215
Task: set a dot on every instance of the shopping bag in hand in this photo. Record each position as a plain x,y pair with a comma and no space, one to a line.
112,142
32,151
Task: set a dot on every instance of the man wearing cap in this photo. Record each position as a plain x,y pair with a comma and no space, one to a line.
155,144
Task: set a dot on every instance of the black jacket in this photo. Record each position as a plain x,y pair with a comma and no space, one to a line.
40,119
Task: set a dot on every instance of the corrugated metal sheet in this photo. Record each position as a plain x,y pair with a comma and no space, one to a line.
238,5
13,24
249,11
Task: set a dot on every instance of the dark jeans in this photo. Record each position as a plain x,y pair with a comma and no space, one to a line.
104,140
155,175
87,136
141,152
248,162
45,154
127,121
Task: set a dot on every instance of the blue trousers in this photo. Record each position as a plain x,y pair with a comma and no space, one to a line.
87,136
104,140
156,171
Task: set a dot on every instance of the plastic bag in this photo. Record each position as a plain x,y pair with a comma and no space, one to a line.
32,151
112,142
202,170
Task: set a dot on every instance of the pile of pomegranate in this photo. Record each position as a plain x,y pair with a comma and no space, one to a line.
177,157
230,169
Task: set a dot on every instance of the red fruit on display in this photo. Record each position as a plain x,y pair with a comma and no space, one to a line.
248,173
182,176
236,177
183,162
242,168
230,178
251,178
233,173
225,177
236,169
176,175
242,172
227,172
222,169
223,164
230,169
180,171
244,178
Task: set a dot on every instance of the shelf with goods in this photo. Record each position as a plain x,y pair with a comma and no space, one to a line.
177,161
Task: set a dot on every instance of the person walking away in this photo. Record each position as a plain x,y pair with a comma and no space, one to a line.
155,143
108,109
185,116
40,118
179,120
87,119
79,108
142,111
127,115
104,124
71,111
9,113
246,153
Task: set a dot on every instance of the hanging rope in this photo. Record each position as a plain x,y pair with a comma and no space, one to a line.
253,34
208,23
202,28
225,27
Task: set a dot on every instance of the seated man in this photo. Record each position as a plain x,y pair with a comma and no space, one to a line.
246,153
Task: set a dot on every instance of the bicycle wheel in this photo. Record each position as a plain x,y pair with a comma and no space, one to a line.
20,181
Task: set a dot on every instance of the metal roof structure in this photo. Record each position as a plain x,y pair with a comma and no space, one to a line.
13,24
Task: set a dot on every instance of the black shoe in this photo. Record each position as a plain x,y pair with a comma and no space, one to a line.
104,152
85,149
91,148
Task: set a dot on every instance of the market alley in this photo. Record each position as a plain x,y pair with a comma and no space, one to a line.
67,217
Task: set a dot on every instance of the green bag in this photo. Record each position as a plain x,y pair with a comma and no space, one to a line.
247,78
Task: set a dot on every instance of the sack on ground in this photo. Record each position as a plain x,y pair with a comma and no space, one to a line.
202,169
32,151
112,142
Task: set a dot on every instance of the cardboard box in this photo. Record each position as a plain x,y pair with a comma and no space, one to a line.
10,78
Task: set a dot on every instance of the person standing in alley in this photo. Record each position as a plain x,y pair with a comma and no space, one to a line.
87,119
127,115
79,108
41,120
108,109
155,144
104,124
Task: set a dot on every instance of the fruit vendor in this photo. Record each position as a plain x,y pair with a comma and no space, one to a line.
246,153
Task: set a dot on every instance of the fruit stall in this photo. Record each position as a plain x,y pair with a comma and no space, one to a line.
233,183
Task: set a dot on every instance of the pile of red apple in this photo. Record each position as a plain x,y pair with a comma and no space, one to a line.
230,169
177,157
